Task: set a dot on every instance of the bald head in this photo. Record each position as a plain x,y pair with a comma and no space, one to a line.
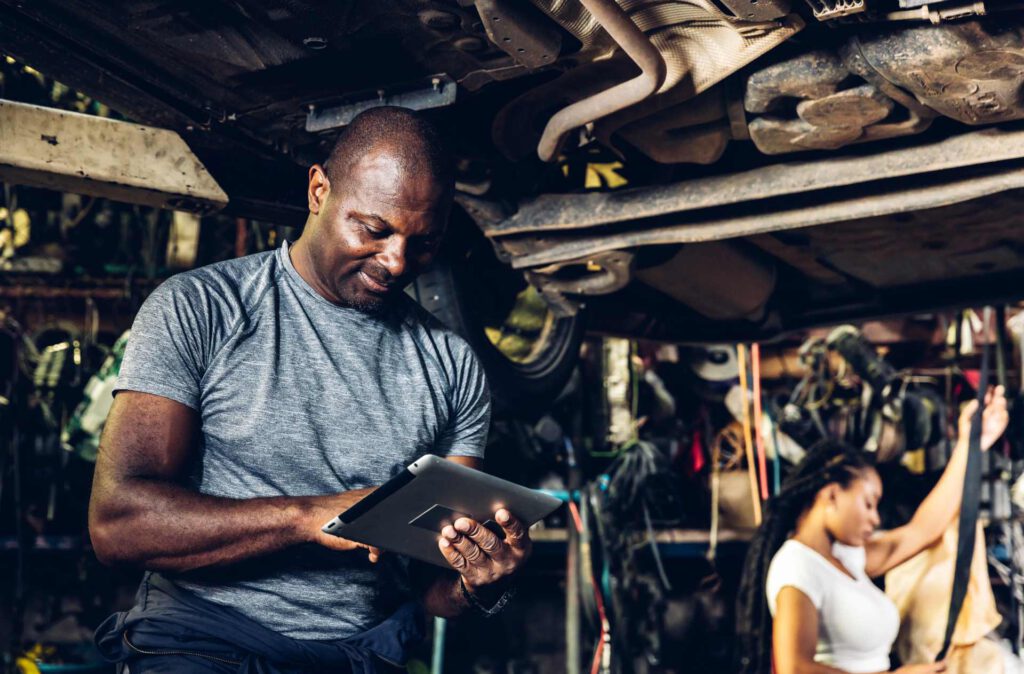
411,141
377,210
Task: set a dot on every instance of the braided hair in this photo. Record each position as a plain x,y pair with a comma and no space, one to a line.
827,462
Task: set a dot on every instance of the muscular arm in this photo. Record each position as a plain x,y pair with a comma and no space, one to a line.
141,512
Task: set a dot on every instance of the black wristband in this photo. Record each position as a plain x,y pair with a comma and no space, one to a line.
473,601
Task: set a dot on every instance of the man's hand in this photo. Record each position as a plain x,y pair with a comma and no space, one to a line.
482,558
322,509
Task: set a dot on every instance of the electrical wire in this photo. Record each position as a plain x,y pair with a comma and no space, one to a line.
600,657
653,540
777,460
755,368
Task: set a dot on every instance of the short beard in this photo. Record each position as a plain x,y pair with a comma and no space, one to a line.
371,307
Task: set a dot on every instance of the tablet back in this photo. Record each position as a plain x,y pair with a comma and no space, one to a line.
406,514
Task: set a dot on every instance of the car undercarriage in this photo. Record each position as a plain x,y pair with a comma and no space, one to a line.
687,171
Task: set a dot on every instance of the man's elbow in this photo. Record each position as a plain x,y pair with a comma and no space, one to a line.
107,536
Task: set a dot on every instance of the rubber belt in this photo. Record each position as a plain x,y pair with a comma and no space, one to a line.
968,507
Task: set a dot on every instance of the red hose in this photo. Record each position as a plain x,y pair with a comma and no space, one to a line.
596,665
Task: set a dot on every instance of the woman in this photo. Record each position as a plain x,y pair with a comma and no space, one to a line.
806,597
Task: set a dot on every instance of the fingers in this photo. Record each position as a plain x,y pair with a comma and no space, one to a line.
337,543
485,540
515,533
466,546
452,555
345,545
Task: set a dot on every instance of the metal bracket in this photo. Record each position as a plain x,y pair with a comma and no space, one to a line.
86,154
521,31
607,273
436,92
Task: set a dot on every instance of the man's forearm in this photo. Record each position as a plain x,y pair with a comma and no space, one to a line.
165,526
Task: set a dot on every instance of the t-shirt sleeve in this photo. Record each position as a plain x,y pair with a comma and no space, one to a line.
790,568
168,347
470,421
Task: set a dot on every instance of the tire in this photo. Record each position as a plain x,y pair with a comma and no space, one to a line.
469,289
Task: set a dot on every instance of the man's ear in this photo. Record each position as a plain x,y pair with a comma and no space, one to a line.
318,189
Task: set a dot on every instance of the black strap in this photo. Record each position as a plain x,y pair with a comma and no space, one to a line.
968,508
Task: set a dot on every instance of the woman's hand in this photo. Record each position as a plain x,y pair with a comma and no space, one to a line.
993,420
928,668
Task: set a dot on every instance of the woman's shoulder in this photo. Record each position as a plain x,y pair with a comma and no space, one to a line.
793,555
794,565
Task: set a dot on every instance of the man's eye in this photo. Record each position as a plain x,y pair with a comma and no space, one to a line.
374,231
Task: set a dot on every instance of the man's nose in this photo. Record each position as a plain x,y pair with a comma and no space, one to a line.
393,258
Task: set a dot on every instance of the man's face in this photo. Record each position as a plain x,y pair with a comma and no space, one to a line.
375,233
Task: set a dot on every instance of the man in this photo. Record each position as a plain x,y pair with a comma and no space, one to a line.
262,396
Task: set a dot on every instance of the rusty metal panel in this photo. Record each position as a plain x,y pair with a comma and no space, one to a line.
943,190
564,212
71,152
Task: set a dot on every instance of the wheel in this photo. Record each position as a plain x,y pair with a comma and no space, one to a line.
527,353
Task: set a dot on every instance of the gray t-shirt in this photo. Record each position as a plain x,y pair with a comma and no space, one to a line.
298,396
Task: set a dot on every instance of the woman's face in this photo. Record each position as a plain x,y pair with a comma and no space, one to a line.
852,513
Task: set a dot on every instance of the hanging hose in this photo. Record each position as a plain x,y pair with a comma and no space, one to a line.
638,47
748,442
716,486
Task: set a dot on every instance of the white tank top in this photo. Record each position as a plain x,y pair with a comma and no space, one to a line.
857,623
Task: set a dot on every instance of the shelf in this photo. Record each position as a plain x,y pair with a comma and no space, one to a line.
48,543
680,543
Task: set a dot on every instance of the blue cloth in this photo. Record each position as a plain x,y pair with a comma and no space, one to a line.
167,618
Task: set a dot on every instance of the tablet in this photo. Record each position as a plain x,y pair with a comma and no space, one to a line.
405,515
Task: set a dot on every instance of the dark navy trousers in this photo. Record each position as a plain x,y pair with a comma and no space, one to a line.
170,630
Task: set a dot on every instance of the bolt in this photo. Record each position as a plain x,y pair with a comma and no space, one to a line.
315,42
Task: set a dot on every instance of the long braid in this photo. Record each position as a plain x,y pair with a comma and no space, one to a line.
827,462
